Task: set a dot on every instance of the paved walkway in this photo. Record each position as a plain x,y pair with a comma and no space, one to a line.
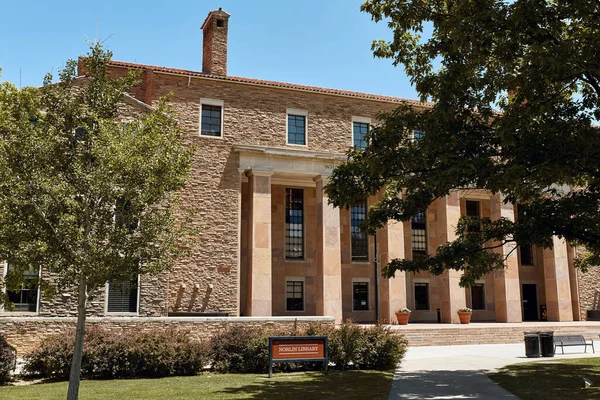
457,372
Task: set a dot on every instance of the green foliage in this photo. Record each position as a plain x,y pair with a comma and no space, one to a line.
240,349
71,163
537,148
8,358
108,355
345,345
381,350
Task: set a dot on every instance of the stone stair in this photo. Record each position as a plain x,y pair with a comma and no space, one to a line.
447,335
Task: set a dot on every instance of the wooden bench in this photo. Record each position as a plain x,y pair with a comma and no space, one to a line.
572,340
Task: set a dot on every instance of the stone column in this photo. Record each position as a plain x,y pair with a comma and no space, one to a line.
452,296
556,279
392,291
507,286
574,280
329,260
259,297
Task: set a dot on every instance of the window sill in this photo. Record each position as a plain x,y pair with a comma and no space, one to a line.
121,314
211,137
360,262
362,311
18,313
297,145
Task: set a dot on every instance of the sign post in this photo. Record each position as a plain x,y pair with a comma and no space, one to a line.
298,349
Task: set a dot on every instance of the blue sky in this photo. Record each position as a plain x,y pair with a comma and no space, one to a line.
322,43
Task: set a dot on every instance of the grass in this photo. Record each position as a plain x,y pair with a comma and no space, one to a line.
551,380
345,385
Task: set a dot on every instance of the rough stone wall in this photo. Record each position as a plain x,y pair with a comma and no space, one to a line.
26,333
589,283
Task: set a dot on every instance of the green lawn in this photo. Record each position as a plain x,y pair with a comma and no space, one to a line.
299,385
551,379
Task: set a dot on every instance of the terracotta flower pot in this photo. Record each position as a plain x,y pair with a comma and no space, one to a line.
465,317
402,318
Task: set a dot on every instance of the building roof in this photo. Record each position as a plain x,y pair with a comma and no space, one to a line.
261,82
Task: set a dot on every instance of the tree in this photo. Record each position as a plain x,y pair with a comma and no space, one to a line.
514,90
86,193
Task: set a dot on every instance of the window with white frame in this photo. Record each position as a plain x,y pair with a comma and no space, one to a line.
211,118
297,127
478,296
25,298
294,295
421,296
360,130
122,296
360,295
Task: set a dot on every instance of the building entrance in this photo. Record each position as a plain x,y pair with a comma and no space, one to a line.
530,306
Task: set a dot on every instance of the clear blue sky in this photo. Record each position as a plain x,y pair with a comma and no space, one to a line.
314,42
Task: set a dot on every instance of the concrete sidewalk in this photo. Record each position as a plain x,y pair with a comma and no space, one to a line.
456,372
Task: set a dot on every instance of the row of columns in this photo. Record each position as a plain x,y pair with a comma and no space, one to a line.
507,289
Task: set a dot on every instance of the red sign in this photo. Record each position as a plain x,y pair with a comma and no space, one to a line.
298,349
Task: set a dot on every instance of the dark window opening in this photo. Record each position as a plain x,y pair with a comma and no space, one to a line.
360,296
220,23
359,239
211,120
294,223
419,235
473,212
421,296
478,296
360,131
296,129
526,251
294,295
122,296
25,298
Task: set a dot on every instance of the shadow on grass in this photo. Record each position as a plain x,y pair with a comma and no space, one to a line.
345,385
551,380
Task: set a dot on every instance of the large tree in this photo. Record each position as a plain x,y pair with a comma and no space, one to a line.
86,192
514,92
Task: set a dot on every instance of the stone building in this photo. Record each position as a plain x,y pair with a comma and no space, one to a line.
270,245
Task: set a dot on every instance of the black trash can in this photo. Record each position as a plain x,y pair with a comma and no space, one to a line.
532,344
547,343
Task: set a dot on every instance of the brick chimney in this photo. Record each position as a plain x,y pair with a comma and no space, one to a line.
214,46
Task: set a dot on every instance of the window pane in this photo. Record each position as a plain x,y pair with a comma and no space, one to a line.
421,296
25,298
296,129
294,295
360,131
294,223
359,239
122,296
473,211
211,120
526,254
360,296
478,296
419,235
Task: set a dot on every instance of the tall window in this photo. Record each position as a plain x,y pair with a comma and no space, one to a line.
360,131
294,223
526,251
296,127
473,211
360,296
359,239
478,296
122,296
294,296
25,299
421,296
211,117
419,235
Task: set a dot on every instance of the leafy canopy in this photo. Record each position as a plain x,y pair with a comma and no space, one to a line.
515,88
86,188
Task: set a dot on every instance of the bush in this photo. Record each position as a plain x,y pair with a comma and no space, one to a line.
107,355
345,345
381,349
8,358
240,349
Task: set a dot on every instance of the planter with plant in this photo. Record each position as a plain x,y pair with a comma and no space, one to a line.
464,314
402,316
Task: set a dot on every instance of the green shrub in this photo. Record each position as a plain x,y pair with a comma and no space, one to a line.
346,345
381,349
107,355
8,358
240,349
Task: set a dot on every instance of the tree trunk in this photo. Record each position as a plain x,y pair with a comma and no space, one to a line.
74,378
